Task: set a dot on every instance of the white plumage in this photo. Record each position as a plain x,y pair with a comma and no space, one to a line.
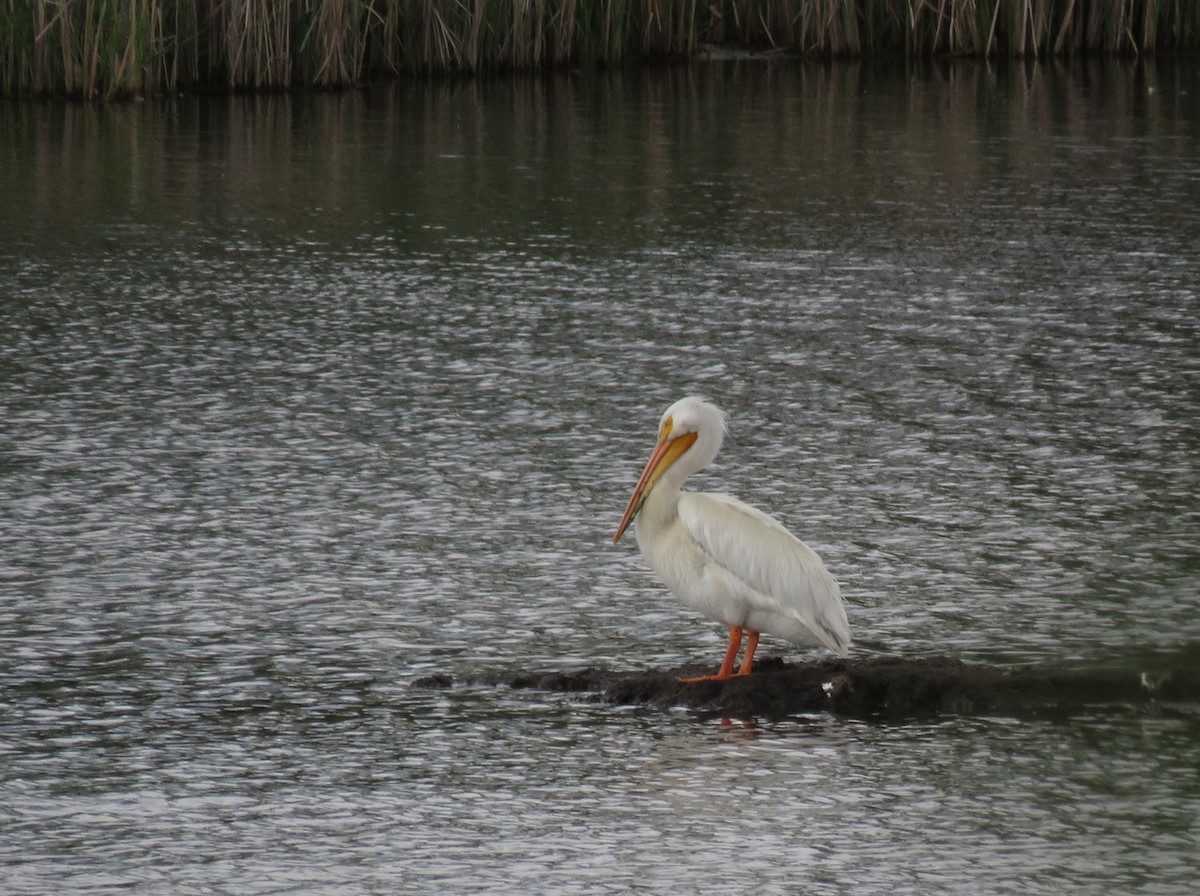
724,558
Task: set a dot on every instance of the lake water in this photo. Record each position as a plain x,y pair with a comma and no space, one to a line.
306,397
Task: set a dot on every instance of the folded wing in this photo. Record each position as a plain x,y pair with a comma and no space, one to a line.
784,576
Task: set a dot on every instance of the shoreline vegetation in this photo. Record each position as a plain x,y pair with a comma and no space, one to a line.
105,49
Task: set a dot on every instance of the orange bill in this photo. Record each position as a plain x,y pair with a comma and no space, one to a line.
666,452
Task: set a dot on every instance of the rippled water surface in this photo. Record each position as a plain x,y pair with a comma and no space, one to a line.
307,397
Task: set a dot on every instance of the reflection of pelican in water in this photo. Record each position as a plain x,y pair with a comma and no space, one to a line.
723,558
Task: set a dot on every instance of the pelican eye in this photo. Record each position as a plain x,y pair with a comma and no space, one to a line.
665,431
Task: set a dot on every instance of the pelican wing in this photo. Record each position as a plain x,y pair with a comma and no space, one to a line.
782,575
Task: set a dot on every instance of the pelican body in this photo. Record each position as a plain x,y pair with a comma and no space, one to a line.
724,558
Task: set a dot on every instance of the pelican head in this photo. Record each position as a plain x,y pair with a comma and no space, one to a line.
689,436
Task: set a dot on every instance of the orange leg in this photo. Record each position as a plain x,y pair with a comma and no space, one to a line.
748,659
726,670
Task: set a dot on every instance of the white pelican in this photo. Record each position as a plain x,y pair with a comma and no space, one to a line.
723,558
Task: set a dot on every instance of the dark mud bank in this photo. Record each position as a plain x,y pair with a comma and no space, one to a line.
874,687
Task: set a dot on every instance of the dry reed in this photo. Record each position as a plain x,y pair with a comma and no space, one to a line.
106,48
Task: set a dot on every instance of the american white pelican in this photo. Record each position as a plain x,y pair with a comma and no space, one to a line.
723,558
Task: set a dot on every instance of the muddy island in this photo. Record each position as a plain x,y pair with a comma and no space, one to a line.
871,687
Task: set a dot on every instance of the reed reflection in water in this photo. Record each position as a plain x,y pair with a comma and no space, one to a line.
307,397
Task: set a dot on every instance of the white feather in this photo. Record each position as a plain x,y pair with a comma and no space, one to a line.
725,559
784,588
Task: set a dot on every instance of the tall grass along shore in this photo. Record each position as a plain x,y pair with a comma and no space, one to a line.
106,48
